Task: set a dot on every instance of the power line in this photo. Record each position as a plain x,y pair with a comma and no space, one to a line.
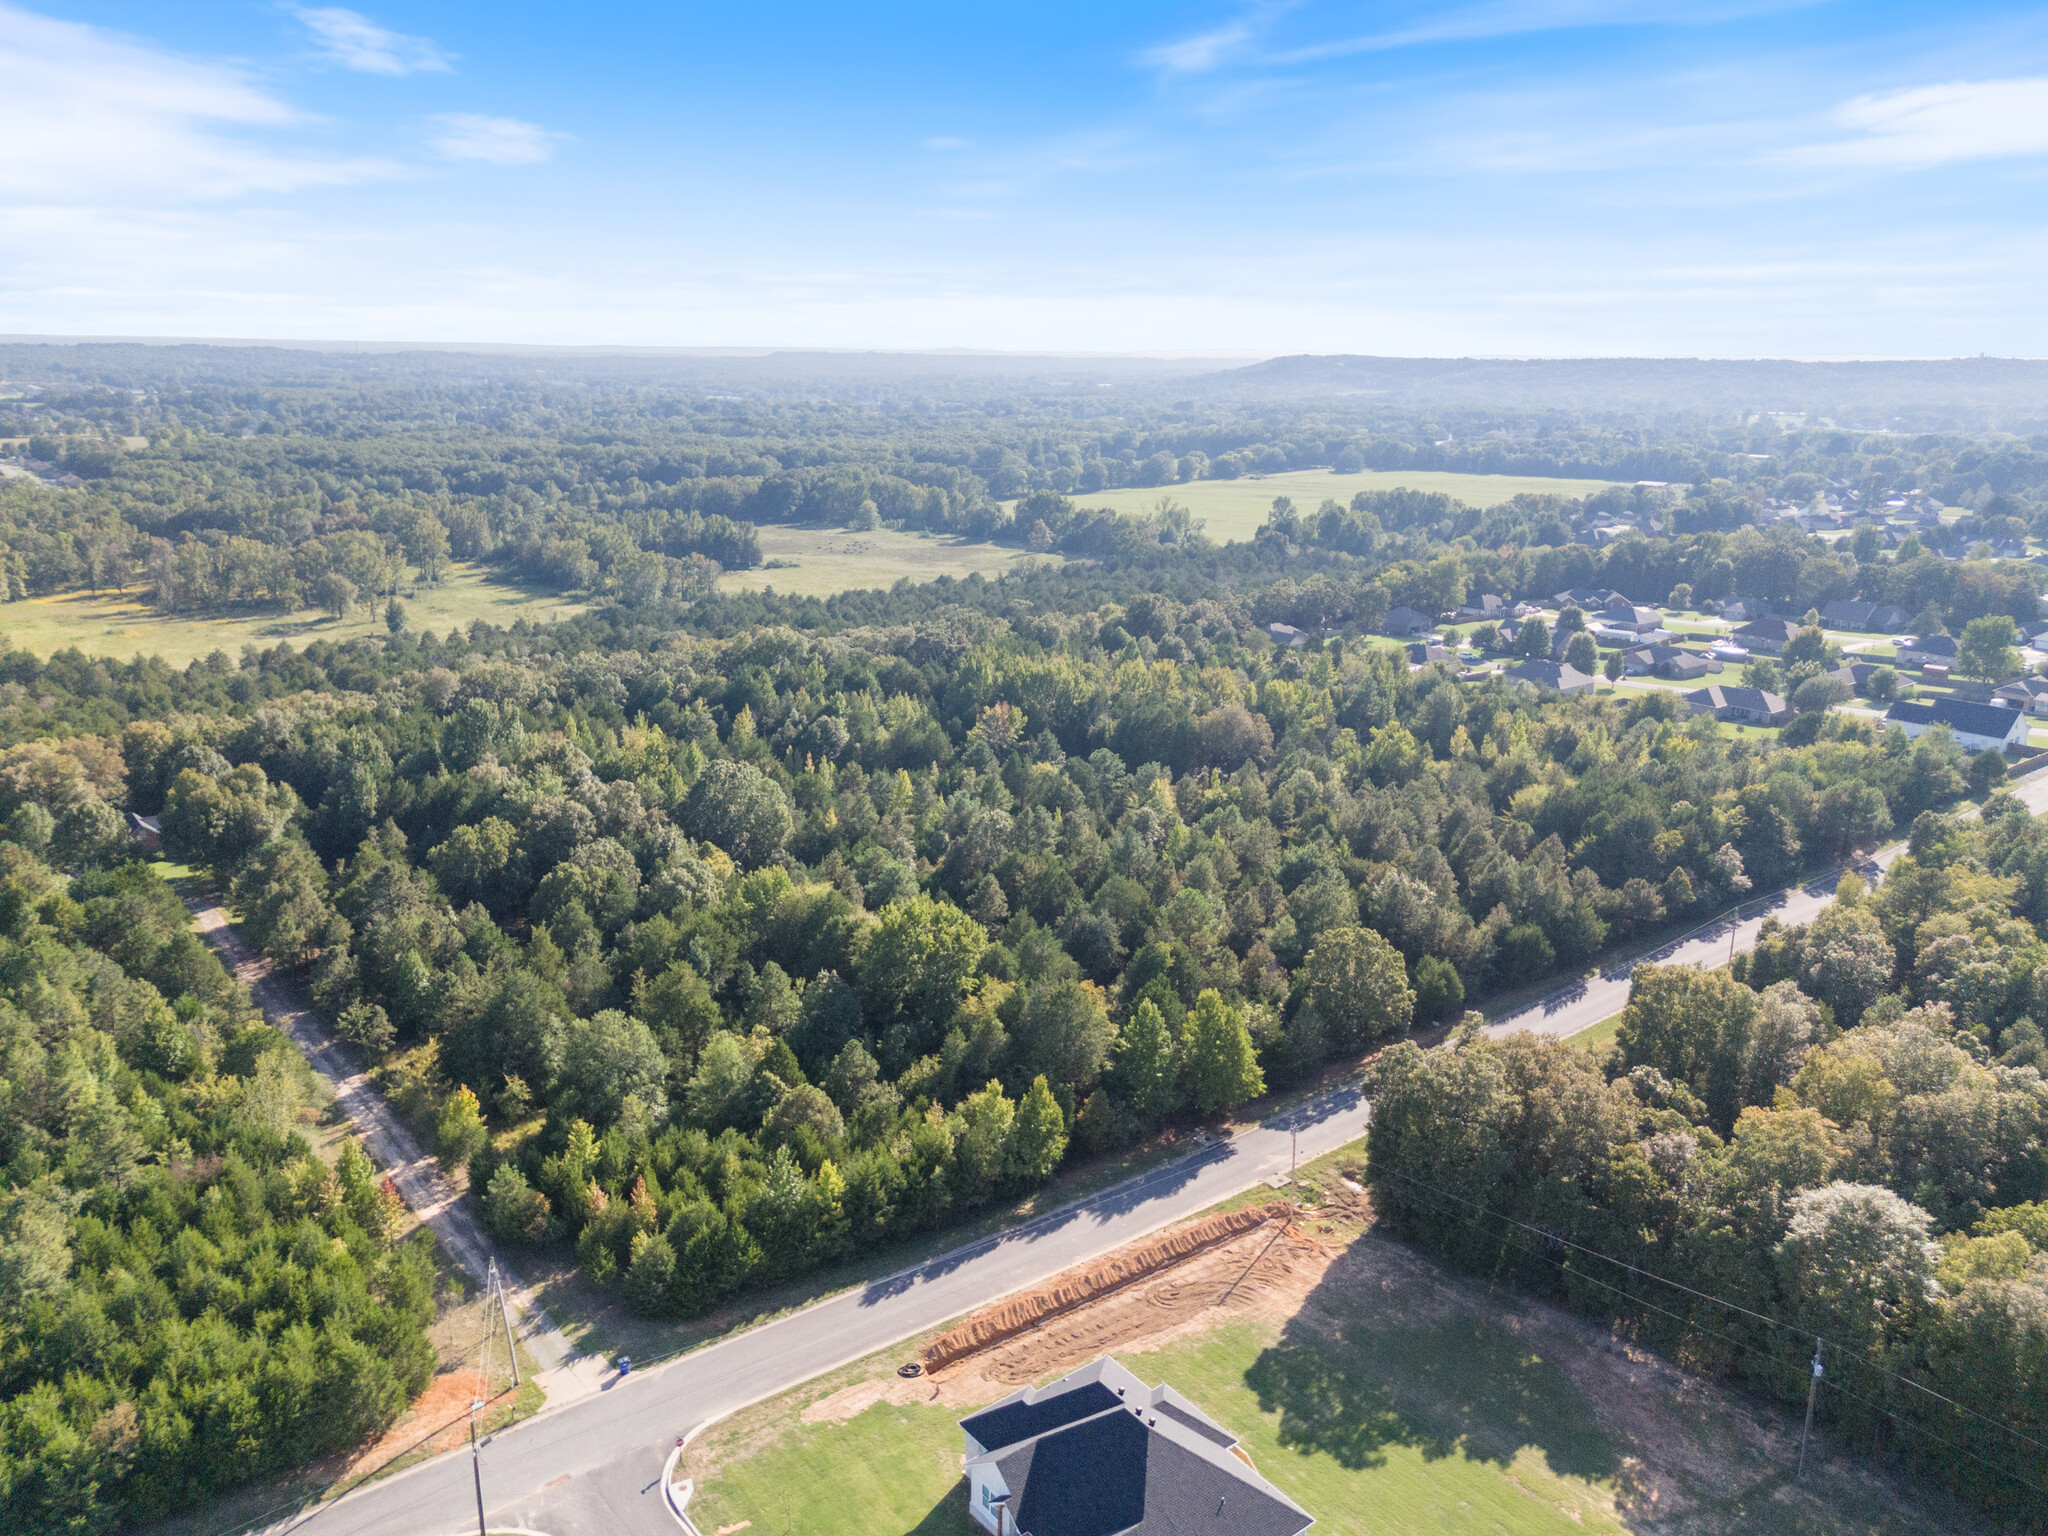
1764,1318
1698,1327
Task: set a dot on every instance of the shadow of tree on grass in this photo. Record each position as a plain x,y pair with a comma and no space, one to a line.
1349,1386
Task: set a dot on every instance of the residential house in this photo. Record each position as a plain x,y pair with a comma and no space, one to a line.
1767,635
1871,618
1622,614
1740,706
1406,621
1099,1453
2026,693
1562,676
1941,650
1423,652
147,831
1740,610
1486,606
1586,598
1861,672
1606,634
1977,727
1684,666
1286,634
1667,661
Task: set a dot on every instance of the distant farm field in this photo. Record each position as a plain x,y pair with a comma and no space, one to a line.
1233,509
121,627
829,560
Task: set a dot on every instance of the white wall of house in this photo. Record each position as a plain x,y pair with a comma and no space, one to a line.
984,1485
1970,741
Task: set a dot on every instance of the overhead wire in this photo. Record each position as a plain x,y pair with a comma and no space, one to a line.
1699,1327
1761,1317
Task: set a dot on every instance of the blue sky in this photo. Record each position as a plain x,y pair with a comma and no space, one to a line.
1554,177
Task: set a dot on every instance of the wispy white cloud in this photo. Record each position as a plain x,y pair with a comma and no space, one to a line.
494,140
89,115
1514,18
1201,52
1931,125
354,41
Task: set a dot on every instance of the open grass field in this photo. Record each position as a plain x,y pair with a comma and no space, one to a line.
829,560
1378,1390
1231,510
121,627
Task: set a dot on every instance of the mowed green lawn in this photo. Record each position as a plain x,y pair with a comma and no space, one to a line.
121,627
829,560
1451,1429
1233,509
1400,1401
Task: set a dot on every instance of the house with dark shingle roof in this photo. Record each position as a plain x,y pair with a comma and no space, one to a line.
1620,613
1942,650
2028,693
1770,635
1564,677
1977,727
1668,661
1740,706
1846,613
1099,1453
1406,621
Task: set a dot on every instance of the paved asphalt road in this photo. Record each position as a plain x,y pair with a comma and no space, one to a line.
593,1468
1599,997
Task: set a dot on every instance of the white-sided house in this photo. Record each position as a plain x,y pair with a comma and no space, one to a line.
1099,1453
1942,650
1977,727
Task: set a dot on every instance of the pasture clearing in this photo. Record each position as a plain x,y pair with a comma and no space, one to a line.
1231,510
120,626
829,560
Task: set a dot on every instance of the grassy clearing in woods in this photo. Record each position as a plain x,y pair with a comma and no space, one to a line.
120,626
1231,510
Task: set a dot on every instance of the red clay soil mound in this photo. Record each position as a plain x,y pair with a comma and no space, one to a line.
1024,1312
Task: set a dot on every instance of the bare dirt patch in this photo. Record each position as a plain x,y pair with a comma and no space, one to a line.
1086,1283
437,1421
1432,1362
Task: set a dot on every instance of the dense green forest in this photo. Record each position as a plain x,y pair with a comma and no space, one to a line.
268,473
1836,1147
723,936
191,1296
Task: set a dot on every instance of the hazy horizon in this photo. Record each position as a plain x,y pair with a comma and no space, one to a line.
1505,178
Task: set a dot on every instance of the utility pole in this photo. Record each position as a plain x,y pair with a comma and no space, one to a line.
505,1317
1812,1392
1293,1153
483,1379
476,1466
